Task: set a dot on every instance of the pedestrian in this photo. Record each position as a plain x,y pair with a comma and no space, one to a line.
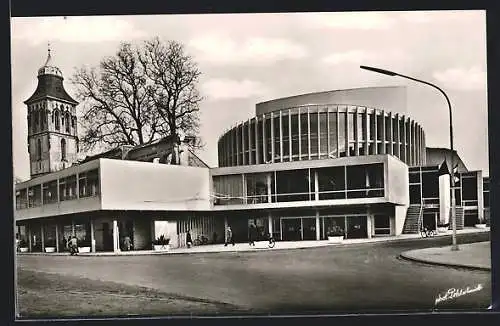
189,241
252,233
73,245
127,243
229,236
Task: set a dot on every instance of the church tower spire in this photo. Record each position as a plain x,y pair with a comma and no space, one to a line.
52,125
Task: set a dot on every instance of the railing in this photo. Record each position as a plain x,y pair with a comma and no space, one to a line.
420,220
222,199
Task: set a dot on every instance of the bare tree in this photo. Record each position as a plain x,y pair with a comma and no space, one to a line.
174,78
139,95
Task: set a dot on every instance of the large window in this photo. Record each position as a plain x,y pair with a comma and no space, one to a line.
63,149
228,189
57,120
21,199
285,125
260,141
331,183
365,181
314,134
469,188
50,192
67,188
332,121
35,196
257,188
268,139
253,145
295,137
293,185
304,136
342,134
277,149
39,149
323,135
430,184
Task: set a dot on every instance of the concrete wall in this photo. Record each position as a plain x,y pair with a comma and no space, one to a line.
396,182
129,185
444,198
399,219
392,98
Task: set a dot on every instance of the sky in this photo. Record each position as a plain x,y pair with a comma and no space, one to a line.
250,58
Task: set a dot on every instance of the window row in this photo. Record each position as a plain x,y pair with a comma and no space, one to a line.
302,134
82,185
38,121
360,181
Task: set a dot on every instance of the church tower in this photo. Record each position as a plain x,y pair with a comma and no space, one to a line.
52,124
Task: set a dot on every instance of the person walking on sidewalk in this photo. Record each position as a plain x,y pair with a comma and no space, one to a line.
252,234
229,236
189,241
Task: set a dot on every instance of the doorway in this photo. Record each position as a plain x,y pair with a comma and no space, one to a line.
429,220
291,229
107,237
309,229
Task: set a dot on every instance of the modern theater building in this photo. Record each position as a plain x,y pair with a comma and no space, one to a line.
349,160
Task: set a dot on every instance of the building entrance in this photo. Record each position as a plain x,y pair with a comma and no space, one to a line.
309,229
291,228
429,220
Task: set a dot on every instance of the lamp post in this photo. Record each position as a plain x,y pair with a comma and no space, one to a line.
454,246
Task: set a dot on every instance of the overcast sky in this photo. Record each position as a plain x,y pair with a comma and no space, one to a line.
246,59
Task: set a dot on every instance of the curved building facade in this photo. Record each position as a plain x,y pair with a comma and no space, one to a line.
314,131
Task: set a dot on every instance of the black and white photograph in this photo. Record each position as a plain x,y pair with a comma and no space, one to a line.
250,164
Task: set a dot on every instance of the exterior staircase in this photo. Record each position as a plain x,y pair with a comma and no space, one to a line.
413,219
459,212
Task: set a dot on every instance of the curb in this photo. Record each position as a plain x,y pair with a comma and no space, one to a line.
451,265
153,253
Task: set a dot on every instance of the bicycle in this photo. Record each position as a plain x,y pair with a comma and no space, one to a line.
425,232
201,240
272,242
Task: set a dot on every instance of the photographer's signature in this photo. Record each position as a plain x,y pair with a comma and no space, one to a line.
455,293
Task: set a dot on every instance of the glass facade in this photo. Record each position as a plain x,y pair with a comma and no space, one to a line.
85,184
341,182
320,132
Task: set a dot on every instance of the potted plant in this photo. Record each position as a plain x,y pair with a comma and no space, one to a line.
50,245
335,234
443,227
23,246
84,244
161,244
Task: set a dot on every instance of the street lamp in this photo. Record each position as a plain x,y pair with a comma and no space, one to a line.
454,246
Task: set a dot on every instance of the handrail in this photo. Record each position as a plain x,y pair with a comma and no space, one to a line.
420,215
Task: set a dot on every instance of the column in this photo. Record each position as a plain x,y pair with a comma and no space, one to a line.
290,133
369,224
270,224
300,135
269,190
116,243
318,235
57,237
281,136
30,245
308,134
256,131
72,227
273,149
92,235
42,232
316,186
375,132
384,135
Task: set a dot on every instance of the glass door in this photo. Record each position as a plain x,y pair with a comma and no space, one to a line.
309,231
356,227
291,229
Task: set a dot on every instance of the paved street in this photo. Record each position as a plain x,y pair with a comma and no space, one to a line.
356,277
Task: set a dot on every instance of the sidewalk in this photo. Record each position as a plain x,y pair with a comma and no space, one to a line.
474,256
280,245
